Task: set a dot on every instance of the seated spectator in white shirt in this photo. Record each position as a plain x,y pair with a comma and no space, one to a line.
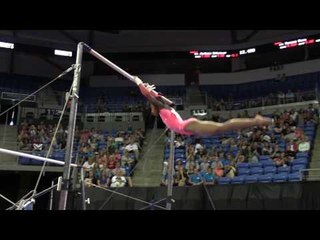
304,145
89,164
132,147
118,180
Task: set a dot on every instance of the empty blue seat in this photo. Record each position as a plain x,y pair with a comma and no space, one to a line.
270,169
267,178
243,171
284,169
237,180
256,170
309,129
297,168
280,177
268,163
242,165
255,164
302,154
251,179
224,180
294,177
310,124
36,162
300,161
24,161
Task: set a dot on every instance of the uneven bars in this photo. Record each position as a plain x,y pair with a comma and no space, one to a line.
118,69
20,154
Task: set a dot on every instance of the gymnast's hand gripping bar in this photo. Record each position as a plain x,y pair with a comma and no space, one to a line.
120,70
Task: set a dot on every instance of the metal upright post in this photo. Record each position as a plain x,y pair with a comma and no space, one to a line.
51,197
83,190
71,128
170,171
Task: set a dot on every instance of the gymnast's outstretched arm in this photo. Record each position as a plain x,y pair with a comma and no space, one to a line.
147,91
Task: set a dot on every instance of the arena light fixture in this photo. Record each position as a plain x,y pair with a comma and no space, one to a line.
6,45
62,53
12,119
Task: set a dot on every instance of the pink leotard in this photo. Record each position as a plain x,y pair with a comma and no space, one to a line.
174,122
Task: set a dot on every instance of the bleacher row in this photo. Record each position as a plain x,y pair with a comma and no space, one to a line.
58,154
119,97
265,170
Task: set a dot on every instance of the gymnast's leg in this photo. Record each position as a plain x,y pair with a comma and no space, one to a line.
210,127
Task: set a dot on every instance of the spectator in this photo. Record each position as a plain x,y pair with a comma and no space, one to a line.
195,178
209,177
304,145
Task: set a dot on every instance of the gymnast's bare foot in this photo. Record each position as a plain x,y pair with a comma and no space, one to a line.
262,121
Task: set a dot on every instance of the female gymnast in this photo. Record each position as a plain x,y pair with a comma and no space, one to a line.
192,126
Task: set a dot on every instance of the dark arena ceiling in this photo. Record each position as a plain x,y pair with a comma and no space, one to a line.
165,51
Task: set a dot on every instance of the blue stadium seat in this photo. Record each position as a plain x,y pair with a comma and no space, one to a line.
280,177
255,164
267,178
294,177
300,161
284,169
243,171
242,165
251,179
224,180
268,163
302,155
24,161
256,170
237,180
298,167
270,169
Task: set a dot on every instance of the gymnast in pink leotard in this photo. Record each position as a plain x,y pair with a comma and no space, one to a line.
192,126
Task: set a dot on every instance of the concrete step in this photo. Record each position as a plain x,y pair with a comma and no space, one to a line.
148,171
315,165
315,160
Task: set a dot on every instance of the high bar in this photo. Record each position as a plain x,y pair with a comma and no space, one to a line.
118,69
109,63
20,154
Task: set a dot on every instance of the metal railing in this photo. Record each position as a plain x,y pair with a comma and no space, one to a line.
310,174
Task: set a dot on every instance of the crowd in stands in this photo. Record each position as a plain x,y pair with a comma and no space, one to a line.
108,158
271,99
206,160
106,105
37,137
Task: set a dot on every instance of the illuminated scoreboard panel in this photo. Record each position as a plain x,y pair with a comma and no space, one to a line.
276,46
296,43
221,54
